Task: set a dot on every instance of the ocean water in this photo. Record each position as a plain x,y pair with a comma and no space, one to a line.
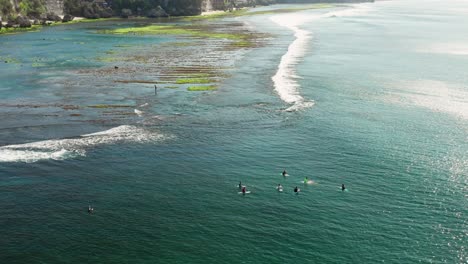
373,96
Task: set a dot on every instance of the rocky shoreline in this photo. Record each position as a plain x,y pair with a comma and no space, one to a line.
24,14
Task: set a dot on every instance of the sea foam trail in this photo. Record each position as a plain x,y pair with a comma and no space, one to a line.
60,149
285,79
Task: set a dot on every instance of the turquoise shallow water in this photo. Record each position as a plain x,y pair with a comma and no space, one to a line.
389,120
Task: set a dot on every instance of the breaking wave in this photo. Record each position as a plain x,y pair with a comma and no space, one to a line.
61,149
285,79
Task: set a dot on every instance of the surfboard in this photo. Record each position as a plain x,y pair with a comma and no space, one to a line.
247,192
285,175
279,189
308,182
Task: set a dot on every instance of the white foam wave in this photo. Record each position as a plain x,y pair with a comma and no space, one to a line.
285,79
16,155
60,149
138,112
299,105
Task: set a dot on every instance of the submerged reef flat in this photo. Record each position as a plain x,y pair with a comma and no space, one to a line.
201,31
132,65
200,54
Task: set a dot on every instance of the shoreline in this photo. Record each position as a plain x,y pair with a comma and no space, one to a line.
37,27
215,14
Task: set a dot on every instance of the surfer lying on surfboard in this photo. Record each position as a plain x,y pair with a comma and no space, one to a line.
279,188
244,191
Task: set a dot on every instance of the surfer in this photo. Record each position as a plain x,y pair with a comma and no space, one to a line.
155,89
90,209
243,190
240,185
280,187
306,180
343,187
296,190
285,173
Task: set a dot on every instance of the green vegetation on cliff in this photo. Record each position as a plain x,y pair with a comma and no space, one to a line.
30,8
6,8
126,8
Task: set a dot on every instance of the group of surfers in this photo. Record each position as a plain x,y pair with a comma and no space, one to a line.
280,187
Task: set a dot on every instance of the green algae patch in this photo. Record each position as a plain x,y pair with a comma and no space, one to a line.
234,13
84,20
202,88
174,30
243,44
193,80
38,65
105,106
171,87
8,59
149,30
6,31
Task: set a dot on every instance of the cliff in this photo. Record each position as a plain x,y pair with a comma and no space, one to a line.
125,8
37,9
43,10
55,6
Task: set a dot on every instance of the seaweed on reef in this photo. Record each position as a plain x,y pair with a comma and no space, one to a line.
202,88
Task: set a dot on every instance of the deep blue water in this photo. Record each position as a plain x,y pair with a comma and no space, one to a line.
381,97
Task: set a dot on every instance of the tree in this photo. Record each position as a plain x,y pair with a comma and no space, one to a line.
32,7
5,7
